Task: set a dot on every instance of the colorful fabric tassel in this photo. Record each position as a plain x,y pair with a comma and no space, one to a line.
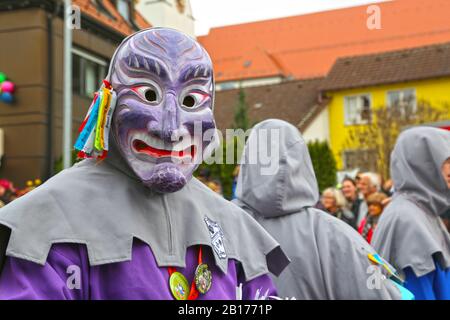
101,120
93,141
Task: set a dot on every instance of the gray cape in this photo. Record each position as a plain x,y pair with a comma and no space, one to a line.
104,206
329,259
410,232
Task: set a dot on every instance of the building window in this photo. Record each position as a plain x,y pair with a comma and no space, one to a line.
403,99
362,159
88,72
357,109
181,6
123,6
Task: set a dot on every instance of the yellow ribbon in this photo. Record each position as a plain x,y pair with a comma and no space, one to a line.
101,120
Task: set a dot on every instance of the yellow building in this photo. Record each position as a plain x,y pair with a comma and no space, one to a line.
357,86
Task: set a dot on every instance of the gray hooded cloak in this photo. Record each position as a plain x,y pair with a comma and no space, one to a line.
329,259
104,206
410,232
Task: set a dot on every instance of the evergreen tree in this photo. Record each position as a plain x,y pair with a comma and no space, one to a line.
223,171
324,164
241,119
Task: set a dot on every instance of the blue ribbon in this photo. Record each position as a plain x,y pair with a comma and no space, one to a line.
90,125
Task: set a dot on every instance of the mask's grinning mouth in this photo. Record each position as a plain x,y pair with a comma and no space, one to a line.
141,147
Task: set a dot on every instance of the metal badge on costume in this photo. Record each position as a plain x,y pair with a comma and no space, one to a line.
179,286
216,233
201,283
203,278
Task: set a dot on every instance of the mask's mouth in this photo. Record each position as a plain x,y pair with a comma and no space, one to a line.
147,147
141,147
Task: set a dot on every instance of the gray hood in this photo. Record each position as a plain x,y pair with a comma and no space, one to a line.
329,259
416,163
410,232
290,184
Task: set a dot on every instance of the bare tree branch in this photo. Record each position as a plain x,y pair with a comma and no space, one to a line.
373,143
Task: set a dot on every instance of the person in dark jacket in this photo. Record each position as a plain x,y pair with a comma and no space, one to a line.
350,192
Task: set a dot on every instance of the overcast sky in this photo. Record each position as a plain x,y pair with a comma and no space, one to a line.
213,13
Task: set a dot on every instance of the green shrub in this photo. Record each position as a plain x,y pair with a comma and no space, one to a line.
324,164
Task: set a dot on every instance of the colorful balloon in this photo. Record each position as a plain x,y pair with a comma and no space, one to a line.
7,86
2,77
6,97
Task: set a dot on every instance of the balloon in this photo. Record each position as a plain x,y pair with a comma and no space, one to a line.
6,97
7,86
2,77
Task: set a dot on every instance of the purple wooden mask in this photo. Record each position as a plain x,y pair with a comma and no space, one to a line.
163,122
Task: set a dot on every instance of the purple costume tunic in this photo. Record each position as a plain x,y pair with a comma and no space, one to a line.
140,278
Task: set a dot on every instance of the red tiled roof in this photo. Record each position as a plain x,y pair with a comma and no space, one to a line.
306,46
118,23
389,67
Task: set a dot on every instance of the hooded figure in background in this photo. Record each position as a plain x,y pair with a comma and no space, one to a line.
329,259
410,233
136,224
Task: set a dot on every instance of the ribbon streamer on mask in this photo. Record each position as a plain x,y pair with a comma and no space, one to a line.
93,140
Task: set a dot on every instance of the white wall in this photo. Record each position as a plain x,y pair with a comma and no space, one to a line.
228,85
318,129
164,13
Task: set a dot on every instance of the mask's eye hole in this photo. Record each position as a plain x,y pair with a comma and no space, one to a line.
189,101
194,99
151,95
148,93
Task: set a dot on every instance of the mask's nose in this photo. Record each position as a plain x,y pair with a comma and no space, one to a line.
168,130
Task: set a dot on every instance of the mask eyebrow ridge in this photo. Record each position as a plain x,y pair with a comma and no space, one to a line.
193,72
136,61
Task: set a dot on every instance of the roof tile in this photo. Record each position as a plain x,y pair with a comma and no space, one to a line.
389,67
119,24
307,45
294,101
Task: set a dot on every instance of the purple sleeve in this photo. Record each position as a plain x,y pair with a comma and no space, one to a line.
263,284
25,280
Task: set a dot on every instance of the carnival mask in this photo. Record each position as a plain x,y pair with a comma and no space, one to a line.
163,121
